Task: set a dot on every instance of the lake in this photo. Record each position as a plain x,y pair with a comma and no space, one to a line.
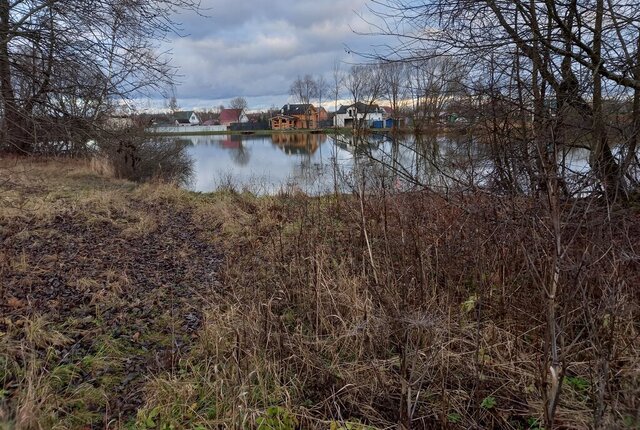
321,163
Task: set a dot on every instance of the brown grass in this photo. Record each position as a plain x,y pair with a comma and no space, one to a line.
406,310
434,316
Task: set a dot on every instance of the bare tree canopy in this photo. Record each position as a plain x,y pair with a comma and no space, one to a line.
238,103
62,59
303,90
574,55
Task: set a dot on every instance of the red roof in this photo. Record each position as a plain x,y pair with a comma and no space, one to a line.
231,144
227,116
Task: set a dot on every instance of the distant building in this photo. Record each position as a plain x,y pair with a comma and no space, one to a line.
232,116
119,122
391,118
295,116
357,113
185,118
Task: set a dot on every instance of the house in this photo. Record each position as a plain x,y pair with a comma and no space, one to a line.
232,116
391,118
185,118
282,122
357,113
211,122
119,122
323,118
295,116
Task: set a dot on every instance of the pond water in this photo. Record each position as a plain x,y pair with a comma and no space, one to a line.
321,163
265,164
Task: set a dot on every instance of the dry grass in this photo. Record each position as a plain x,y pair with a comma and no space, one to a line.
335,313
433,316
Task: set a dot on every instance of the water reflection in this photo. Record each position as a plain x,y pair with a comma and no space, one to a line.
265,164
320,163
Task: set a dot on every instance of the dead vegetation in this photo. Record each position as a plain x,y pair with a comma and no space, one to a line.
330,312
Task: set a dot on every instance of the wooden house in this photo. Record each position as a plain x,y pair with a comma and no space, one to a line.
295,116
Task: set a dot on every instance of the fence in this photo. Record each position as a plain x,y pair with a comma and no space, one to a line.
188,129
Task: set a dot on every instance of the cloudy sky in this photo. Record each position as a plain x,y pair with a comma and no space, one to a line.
255,48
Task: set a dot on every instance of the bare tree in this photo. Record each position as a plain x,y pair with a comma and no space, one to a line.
394,78
364,85
303,90
571,54
238,103
99,52
173,104
321,89
336,84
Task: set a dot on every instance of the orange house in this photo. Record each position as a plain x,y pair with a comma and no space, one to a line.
295,116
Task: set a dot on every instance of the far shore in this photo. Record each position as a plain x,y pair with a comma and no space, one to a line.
268,132
264,132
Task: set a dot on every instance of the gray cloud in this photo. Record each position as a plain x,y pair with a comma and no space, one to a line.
254,49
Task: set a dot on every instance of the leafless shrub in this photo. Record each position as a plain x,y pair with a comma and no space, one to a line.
142,159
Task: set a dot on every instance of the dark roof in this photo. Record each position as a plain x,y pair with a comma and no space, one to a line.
295,109
180,116
361,108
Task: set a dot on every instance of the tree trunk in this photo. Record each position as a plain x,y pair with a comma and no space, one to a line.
603,160
14,121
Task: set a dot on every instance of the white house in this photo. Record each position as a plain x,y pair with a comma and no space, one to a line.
186,118
347,116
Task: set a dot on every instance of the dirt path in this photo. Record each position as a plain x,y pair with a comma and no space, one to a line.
102,300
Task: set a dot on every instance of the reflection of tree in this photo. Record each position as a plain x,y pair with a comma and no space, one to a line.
239,153
357,145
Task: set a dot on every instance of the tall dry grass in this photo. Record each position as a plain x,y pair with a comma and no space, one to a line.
411,311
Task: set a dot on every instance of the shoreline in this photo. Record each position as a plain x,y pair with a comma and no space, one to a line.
267,132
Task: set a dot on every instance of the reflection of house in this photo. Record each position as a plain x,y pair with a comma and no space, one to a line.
232,116
295,116
185,118
231,144
298,143
357,113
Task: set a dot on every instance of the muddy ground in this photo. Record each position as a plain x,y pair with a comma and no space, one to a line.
101,293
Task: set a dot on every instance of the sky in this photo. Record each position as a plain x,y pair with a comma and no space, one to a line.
256,48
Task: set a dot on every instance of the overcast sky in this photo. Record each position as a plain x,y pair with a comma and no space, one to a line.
255,48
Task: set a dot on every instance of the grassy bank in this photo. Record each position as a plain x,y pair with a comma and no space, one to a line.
145,306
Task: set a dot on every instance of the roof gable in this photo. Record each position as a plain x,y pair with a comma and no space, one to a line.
230,115
183,115
361,108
